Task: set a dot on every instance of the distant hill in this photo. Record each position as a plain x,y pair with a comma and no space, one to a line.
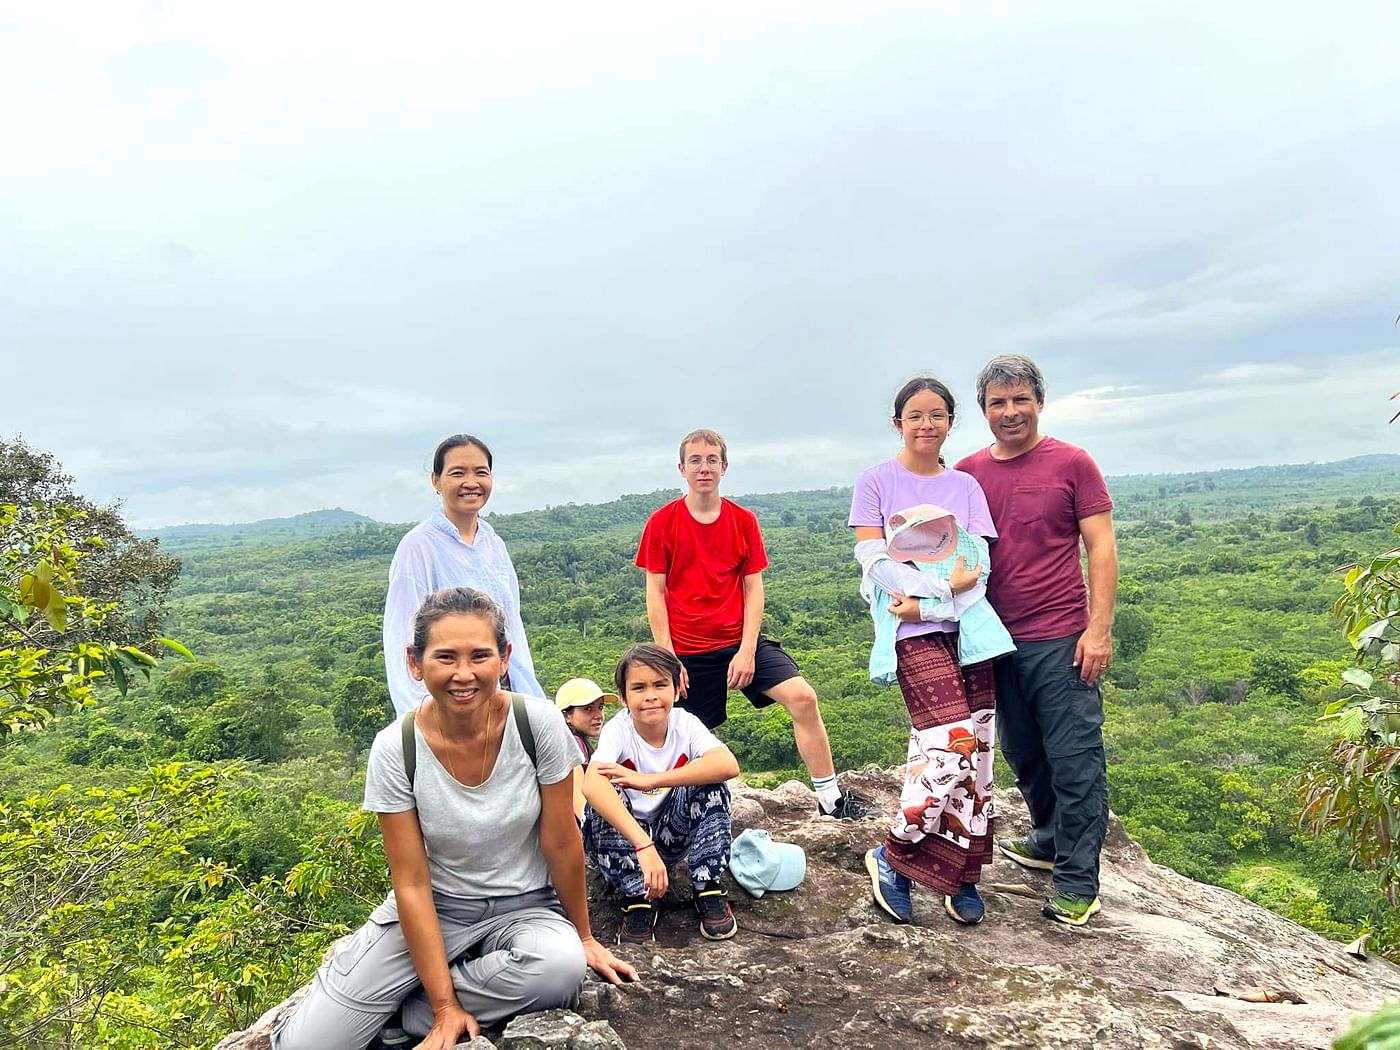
268,532
1215,495
1220,494
1208,495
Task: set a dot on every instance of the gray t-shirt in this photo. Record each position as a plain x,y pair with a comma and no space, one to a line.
481,841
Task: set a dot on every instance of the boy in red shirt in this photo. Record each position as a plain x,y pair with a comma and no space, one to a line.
704,559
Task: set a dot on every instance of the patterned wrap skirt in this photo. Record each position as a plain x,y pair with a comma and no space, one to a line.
942,835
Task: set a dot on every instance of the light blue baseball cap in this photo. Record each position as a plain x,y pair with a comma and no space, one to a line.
759,864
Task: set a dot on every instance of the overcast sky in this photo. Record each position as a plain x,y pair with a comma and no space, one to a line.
257,258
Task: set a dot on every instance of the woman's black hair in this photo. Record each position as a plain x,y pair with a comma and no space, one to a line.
458,441
456,601
647,655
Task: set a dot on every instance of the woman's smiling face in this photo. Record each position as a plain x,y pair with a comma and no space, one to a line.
465,481
461,665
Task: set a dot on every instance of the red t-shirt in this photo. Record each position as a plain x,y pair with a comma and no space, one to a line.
1037,500
705,566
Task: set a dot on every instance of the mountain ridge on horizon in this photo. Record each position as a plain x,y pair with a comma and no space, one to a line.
326,521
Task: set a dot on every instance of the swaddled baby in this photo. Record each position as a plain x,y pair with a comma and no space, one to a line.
929,539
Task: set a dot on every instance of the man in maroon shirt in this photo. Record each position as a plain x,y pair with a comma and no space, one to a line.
704,558
1046,496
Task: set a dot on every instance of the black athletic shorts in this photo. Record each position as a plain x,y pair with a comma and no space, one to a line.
709,672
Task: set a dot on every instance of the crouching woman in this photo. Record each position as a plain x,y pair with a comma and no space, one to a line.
488,916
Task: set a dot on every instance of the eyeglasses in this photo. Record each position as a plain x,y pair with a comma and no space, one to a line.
918,419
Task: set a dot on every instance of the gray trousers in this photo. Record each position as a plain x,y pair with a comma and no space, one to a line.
509,955
1050,728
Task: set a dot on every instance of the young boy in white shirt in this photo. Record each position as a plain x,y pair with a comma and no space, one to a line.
656,792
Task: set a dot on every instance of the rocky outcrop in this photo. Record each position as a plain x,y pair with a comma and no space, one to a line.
1161,966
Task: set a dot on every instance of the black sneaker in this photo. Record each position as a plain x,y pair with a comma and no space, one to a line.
848,807
716,917
638,922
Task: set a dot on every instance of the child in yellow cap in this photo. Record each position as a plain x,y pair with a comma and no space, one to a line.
581,701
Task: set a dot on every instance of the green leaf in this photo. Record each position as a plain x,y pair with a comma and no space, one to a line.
1375,631
43,572
176,647
56,611
1357,677
1352,723
139,655
118,674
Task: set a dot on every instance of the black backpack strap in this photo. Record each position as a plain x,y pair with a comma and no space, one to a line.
523,727
410,747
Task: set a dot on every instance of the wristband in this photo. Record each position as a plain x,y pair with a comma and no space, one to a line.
649,845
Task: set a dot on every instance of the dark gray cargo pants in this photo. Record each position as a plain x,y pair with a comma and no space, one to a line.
1050,729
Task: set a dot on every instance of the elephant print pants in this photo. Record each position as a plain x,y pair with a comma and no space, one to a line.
942,835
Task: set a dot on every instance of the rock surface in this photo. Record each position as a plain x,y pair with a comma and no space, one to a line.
821,967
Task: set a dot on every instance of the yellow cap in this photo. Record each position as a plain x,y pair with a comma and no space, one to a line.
579,691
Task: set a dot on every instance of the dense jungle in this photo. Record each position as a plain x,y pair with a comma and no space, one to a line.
177,856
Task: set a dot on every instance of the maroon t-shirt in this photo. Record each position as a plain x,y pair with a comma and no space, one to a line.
1037,501
705,566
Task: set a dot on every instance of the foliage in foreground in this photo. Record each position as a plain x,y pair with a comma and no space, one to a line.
83,877
115,935
54,646
1377,1031
1355,796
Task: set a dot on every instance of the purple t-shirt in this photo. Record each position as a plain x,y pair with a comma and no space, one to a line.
888,488
1037,500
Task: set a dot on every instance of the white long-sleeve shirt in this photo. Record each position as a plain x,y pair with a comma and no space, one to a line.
433,555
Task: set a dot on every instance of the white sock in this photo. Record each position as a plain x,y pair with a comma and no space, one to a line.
828,791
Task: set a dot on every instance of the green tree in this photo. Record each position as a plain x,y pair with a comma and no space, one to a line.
193,685
54,641
255,724
1132,632
360,709
119,567
583,611
1276,673
1355,795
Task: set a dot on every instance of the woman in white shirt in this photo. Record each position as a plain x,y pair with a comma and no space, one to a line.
453,547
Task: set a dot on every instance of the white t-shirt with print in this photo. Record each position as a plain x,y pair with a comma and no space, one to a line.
686,740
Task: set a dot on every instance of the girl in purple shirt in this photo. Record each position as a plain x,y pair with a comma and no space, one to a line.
942,835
